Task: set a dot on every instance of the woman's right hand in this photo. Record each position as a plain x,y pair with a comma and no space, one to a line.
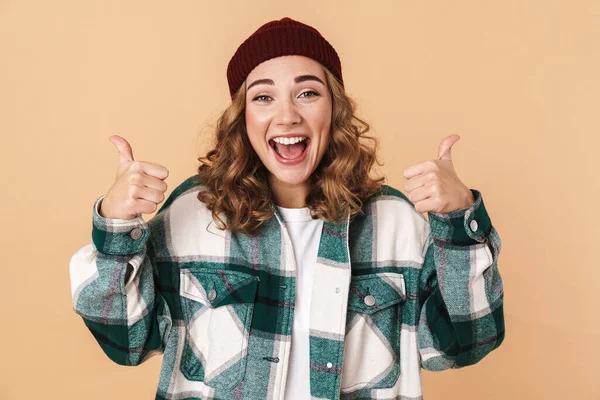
138,188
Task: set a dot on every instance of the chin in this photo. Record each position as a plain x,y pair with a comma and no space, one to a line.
291,178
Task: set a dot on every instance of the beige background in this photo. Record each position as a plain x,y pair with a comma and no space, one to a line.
519,81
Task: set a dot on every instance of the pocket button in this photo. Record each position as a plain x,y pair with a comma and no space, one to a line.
136,233
369,300
473,225
212,295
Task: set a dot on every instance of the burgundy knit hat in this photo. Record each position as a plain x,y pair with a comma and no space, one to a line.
281,38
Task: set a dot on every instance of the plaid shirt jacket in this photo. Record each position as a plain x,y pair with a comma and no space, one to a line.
392,293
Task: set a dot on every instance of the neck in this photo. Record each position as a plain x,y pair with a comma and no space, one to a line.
289,196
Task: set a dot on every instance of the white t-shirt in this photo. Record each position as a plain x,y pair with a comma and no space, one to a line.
305,234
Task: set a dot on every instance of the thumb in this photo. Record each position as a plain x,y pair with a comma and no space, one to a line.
444,150
125,152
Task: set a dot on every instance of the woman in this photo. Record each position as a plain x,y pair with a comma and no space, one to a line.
281,269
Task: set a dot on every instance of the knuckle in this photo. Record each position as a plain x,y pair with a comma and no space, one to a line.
129,203
134,178
132,192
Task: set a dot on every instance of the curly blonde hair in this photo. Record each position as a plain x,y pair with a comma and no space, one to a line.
236,178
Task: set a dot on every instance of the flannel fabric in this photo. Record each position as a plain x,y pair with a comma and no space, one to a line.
392,293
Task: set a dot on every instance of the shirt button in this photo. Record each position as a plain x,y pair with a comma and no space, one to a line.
212,295
369,300
473,225
329,365
136,234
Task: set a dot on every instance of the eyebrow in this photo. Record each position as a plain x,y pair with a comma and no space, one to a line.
297,79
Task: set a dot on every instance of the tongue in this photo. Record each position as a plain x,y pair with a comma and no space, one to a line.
290,151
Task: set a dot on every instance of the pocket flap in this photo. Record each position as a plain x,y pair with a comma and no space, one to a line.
218,287
372,292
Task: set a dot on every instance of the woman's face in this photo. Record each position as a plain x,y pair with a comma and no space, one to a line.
288,97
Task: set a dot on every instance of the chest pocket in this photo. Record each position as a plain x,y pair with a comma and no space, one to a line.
217,308
373,327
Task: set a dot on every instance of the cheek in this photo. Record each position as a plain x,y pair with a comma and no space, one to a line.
326,141
254,127
324,128
320,119
257,116
257,125
250,121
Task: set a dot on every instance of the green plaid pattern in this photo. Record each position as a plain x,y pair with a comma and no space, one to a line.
392,293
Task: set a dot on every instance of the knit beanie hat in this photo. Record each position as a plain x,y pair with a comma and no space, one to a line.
280,38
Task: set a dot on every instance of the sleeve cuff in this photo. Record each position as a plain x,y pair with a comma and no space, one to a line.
120,237
462,227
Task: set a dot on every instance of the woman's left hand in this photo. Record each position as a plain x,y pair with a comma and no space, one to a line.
434,186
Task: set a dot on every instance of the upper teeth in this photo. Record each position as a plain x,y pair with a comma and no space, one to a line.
293,140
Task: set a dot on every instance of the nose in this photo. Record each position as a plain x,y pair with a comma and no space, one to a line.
287,113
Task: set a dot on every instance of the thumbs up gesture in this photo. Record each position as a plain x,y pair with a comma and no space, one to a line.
433,186
138,188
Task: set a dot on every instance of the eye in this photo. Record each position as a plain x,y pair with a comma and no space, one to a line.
258,97
310,91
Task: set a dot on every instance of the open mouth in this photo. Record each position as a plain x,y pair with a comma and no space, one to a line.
290,152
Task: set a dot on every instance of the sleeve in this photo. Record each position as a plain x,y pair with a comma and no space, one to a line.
460,289
113,289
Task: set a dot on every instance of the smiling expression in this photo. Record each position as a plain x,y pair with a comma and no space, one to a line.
288,97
